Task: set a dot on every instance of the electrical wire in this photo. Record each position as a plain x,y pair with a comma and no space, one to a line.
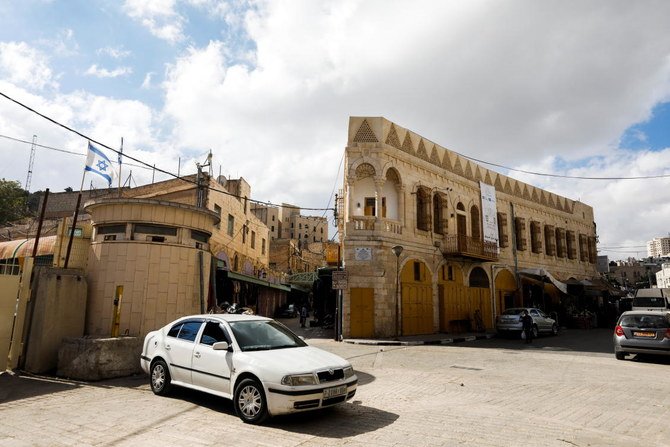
150,166
576,177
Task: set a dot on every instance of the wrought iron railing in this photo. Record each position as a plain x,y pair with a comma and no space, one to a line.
466,246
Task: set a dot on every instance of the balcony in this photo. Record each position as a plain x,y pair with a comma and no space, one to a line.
370,223
459,245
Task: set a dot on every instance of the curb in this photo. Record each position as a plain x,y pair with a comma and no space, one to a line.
442,341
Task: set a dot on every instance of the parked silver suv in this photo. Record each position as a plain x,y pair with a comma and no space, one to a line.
510,321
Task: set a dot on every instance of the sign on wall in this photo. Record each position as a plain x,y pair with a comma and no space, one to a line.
489,213
363,254
340,280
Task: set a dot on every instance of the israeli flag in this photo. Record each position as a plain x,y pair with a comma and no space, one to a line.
98,163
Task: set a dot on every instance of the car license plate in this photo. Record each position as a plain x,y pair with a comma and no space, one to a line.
334,392
644,334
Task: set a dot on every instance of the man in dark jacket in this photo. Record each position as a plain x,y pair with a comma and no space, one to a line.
527,324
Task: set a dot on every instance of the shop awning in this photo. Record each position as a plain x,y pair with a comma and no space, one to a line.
542,274
259,281
22,248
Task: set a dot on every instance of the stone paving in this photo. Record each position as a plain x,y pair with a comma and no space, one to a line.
560,391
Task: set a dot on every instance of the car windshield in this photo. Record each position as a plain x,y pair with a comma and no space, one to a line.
261,335
513,311
645,321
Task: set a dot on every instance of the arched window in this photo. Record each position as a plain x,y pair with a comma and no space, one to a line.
474,223
478,278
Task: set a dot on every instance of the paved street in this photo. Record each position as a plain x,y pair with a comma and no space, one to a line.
559,391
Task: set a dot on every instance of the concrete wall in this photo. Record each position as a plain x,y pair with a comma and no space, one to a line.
59,307
161,280
99,358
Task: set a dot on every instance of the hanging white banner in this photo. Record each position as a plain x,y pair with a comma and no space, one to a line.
489,213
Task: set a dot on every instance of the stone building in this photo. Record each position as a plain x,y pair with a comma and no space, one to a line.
658,247
434,242
305,229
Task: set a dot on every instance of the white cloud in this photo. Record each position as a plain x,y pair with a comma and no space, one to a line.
64,44
99,72
159,16
113,52
146,83
25,66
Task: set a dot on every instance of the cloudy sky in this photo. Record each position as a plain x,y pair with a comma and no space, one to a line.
574,88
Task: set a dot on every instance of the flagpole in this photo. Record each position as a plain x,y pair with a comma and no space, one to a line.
74,218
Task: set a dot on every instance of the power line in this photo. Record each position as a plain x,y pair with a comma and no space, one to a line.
65,151
577,177
150,166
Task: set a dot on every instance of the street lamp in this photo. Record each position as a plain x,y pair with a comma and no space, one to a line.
397,250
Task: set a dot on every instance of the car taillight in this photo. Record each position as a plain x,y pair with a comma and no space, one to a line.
619,331
667,333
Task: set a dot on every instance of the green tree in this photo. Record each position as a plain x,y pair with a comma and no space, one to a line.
12,201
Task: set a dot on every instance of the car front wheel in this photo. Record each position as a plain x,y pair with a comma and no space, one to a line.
250,403
160,378
620,355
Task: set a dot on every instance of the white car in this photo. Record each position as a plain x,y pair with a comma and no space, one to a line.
257,362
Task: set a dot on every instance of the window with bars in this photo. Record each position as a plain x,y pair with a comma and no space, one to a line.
503,238
571,244
520,233
549,240
423,209
535,237
561,252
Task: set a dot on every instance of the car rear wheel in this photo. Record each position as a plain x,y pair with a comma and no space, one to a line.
160,378
250,403
554,329
620,355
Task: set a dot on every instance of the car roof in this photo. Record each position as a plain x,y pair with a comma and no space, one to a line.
645,312
227,317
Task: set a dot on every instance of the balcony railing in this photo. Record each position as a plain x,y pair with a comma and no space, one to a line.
370,223
468,247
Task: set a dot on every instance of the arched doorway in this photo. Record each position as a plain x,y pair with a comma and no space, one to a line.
417,298
505,287
480,299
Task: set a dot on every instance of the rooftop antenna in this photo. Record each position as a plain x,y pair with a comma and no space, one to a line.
31,161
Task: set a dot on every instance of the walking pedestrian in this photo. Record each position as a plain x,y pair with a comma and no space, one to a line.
527,324
303,315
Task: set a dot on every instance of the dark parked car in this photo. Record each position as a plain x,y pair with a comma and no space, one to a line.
288,311
642,332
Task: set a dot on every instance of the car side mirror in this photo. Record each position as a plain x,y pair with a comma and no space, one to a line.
221,346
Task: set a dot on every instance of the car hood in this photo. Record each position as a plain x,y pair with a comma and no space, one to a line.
292,360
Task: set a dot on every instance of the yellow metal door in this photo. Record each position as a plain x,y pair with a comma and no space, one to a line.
362,317
417,309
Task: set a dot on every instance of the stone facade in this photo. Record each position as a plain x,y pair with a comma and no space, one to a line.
467,234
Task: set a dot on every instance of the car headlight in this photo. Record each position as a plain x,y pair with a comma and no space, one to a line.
348,372
298,380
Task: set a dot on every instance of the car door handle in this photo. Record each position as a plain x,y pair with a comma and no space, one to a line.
196,355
